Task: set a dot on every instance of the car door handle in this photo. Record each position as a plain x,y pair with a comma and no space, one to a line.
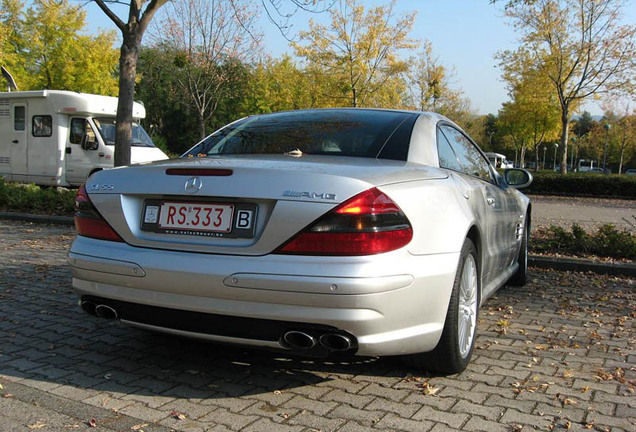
101,154
15,141
491,201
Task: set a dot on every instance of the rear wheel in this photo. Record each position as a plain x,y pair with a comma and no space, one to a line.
455,348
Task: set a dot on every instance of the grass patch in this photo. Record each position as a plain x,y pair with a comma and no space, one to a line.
583,184
29,198
606,242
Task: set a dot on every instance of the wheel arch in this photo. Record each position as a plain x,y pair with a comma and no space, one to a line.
475,236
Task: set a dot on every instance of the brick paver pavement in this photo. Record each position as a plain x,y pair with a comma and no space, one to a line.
558,354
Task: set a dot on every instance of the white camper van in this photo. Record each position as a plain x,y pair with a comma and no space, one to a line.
498,160
59,138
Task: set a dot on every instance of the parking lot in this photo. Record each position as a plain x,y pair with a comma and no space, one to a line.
557,354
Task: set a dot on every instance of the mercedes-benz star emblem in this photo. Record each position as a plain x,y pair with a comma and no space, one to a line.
193,185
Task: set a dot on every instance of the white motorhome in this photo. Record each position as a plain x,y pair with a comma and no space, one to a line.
498,160
59,138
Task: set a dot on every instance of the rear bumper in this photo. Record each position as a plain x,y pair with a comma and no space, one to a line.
390,304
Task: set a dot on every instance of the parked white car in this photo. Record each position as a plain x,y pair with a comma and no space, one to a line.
374,232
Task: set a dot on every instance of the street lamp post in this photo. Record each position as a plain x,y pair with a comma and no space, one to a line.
545,147
607,128
556,146
573,139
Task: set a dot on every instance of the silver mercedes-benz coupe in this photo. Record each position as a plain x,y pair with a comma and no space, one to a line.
373,232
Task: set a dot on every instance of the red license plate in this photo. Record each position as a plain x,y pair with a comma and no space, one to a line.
195,216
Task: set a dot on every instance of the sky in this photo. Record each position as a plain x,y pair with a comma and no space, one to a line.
465,35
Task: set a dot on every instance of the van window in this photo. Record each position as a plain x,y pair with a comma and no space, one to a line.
106,127
19,118
79,128
42,126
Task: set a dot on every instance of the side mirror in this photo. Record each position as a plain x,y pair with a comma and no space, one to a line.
89,143
517,178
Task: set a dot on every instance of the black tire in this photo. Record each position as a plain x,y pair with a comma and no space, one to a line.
455,348
520,278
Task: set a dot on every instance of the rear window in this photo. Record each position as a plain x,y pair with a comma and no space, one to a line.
358,133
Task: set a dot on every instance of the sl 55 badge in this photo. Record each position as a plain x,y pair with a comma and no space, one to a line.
96,187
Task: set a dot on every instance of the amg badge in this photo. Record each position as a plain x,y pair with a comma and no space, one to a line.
313,195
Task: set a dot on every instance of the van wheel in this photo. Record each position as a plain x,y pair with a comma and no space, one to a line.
455,348
93,172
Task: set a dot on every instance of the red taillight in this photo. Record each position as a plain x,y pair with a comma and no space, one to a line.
369,223
88,221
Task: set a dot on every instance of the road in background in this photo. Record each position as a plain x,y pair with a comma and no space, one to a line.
587,212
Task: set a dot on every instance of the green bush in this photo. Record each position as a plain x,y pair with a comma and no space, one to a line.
30,198
583,184
606,242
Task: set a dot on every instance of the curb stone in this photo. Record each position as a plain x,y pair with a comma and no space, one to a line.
554,263
583,265
37,218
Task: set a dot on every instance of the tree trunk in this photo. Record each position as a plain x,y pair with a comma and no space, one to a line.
129,55
564,139
522,156
201,125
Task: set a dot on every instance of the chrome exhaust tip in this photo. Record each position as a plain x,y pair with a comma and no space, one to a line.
299,340
104,311
335,342
89,307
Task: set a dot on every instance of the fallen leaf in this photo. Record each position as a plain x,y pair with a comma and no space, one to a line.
177,415
92,423
35,426
139,426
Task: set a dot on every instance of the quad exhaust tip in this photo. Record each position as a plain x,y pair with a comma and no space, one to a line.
332,341
89,307
299,340
98,310
335,342
104,311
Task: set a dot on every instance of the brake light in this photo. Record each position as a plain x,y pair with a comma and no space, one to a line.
88,221
367,224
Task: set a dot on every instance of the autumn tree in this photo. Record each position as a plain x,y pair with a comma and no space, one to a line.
358,54
132,29
579,45
12,42
625,132
45,47
617,132
430,83
209,39
278,85
532,115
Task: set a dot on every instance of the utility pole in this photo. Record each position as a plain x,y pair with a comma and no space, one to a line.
607,128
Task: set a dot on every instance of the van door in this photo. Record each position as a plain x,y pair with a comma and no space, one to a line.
18,141
82,151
